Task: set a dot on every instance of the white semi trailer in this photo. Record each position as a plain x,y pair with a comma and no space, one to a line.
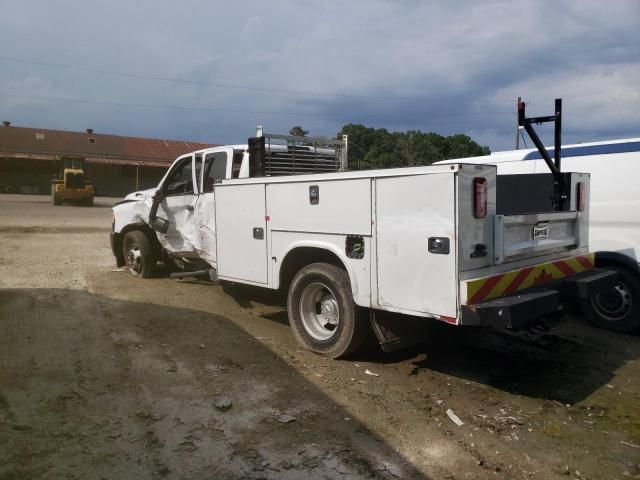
427,242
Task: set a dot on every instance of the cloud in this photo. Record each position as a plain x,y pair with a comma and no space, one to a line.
450,67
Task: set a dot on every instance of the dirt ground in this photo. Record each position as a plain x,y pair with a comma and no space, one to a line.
103,376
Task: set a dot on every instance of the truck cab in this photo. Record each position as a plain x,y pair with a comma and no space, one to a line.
179,216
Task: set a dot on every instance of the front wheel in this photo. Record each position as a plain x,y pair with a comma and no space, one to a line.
617,308
322,313
140,257
55,198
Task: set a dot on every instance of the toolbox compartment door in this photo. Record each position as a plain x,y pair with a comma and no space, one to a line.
409,211
241,233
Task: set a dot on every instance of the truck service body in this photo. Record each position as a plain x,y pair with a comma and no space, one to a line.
614,223
428,242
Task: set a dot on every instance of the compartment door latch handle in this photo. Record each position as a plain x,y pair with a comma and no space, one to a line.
258,233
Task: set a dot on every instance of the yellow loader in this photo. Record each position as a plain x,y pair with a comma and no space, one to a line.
72,184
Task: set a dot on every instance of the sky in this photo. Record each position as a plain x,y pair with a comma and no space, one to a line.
211,71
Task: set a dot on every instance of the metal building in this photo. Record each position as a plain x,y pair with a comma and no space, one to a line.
29,159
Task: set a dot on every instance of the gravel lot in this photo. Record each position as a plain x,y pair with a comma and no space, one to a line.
106,376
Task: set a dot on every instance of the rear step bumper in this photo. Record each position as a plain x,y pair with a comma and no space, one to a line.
582,285
533,304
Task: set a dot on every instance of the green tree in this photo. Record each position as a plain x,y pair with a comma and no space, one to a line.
461,146
298,131
360,140
379,148
415,148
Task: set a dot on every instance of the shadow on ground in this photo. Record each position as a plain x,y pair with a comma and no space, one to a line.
92,387
567,364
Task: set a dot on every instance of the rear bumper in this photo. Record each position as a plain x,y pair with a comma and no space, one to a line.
533,304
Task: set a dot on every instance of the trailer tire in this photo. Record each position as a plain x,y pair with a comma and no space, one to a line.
618,308
138,254
322,313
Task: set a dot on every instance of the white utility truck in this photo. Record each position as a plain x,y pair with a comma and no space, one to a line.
614,218
427,242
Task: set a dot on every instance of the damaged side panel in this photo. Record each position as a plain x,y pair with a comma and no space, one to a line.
205,219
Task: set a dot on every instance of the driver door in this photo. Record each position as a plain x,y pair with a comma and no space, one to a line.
178,205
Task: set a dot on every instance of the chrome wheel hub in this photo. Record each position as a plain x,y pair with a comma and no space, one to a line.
615,303
319,311
134,260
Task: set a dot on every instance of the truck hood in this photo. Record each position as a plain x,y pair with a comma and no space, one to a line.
140,195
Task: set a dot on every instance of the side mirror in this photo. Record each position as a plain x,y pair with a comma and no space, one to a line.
159,224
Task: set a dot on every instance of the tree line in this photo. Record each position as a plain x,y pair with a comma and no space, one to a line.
378,148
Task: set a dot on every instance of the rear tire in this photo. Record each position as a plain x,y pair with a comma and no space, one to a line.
138,254
322,313
618,308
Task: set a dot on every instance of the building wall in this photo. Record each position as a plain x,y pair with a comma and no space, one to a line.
20,175
119,180
26,176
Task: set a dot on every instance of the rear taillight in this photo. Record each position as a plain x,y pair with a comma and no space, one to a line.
581,194
479,197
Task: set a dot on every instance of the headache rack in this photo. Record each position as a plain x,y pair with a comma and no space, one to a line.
277,155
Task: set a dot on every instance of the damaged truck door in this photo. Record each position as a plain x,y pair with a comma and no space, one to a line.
175,202
184,214
215,168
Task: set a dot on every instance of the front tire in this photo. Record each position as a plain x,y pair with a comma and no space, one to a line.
140,257
322,313
618,308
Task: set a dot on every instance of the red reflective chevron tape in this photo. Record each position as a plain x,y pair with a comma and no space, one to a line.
506,283
564,267
522,275
486,288
586,262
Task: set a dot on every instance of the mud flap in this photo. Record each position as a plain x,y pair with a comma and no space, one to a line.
395,331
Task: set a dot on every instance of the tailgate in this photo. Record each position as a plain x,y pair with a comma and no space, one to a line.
517,237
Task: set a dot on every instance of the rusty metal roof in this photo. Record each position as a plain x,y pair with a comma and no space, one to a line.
34,143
